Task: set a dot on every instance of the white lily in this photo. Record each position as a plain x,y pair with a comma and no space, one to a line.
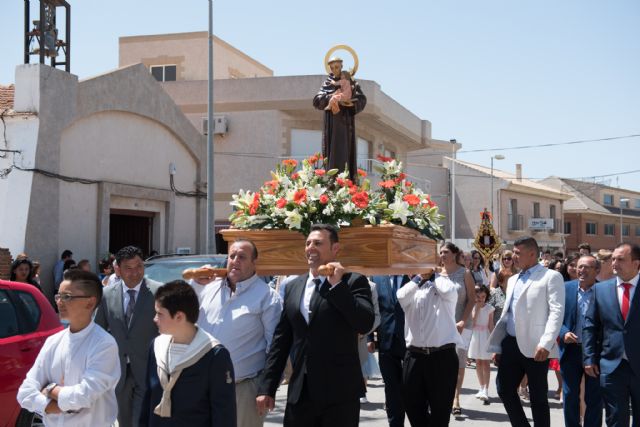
294,219
400,210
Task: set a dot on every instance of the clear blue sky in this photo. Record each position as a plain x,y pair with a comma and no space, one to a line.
488,73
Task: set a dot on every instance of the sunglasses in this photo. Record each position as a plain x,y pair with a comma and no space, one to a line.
69,297
507,258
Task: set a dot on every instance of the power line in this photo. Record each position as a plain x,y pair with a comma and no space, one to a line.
524,147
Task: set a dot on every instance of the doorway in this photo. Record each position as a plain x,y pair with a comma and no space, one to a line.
130,228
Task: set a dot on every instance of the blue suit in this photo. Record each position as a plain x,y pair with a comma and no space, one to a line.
572,369
391,346
606,336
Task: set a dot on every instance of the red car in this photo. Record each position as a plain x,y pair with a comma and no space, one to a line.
26,320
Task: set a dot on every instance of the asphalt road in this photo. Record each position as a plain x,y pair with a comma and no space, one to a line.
474,412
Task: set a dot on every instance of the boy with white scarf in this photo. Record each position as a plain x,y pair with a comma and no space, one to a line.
190,380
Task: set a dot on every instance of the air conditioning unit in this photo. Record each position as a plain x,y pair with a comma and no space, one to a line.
183,251
220,125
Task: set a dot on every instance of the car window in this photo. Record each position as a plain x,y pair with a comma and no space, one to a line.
8,316
32,311
167,270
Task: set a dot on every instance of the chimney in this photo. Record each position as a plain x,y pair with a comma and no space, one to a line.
518,171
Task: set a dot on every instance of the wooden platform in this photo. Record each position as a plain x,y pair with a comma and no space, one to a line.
369,250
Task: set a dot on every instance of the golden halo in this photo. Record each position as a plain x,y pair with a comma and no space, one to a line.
353,53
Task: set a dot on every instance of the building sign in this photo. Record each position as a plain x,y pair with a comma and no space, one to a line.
541,223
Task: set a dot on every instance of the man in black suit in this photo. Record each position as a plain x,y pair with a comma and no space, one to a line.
321,320
126,312
391,345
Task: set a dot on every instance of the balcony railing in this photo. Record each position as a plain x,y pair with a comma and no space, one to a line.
515,222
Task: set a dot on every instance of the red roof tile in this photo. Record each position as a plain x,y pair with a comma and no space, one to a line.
6,97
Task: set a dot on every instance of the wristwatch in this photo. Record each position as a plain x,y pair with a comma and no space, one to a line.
48,389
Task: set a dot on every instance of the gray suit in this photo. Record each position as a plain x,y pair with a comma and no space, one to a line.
133,344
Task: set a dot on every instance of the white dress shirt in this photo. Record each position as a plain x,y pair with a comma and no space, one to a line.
86,366
632,289
309,289
243,321
125,294
430,313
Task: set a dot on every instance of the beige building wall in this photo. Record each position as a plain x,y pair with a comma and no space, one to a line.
189,52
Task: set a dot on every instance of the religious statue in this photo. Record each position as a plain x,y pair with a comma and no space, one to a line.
341,98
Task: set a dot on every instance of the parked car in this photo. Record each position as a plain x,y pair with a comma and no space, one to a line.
165,268
26,320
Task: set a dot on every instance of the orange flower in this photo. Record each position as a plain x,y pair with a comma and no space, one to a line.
281,203
362,173
295,175
353,189
408,183
290,162
253,209
429,203
313,159
360,199
344,182
384,158
387,184
324,199
412,199
320,172
300,196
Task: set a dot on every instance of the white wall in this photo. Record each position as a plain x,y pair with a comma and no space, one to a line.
15,188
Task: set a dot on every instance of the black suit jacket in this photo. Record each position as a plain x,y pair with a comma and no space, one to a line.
326,349
391,329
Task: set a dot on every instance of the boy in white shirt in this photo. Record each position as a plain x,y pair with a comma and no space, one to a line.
73,380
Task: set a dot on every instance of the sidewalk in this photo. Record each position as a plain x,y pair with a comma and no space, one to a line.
474,412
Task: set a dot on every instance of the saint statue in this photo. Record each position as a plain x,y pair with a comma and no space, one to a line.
341,98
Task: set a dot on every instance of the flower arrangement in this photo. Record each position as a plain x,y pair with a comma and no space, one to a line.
297,198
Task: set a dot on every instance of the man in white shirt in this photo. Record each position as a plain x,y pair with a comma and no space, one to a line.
242,312
73,380
430,369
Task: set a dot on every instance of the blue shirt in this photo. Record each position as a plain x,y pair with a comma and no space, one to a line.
584,301
520,285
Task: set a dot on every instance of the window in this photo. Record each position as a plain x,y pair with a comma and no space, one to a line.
637,230
552,211
32,310
567,227
609,230
536,210
626,229
624,203
305,143
591,228
164,73
363,151
608,199
636,203
8,317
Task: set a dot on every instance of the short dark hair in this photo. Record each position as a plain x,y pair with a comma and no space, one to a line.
635,250
485,289
584,246
88,281
178,296
527,242
69,264
253,246
128,252
452,247
66,253
331,229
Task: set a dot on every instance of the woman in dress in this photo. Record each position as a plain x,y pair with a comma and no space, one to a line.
463,281
499,282
482,316
478,271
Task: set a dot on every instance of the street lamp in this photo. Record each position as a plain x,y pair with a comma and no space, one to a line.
497,157
211,217
622,200
453,190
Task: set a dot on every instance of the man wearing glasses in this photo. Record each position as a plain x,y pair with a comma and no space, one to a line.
73,379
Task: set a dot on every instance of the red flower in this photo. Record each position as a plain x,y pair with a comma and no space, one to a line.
253,209
360,199
362,173
412,199
353,189
281,203
300,196
408,183
429,203
313,159
290,163
387,184
324,199
295,175
344,182
320,172
384,159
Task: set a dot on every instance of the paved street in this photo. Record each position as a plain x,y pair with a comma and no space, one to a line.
474,413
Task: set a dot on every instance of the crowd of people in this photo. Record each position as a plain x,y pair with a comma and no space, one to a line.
215,350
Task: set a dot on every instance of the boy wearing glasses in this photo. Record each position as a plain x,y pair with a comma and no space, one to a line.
73,379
